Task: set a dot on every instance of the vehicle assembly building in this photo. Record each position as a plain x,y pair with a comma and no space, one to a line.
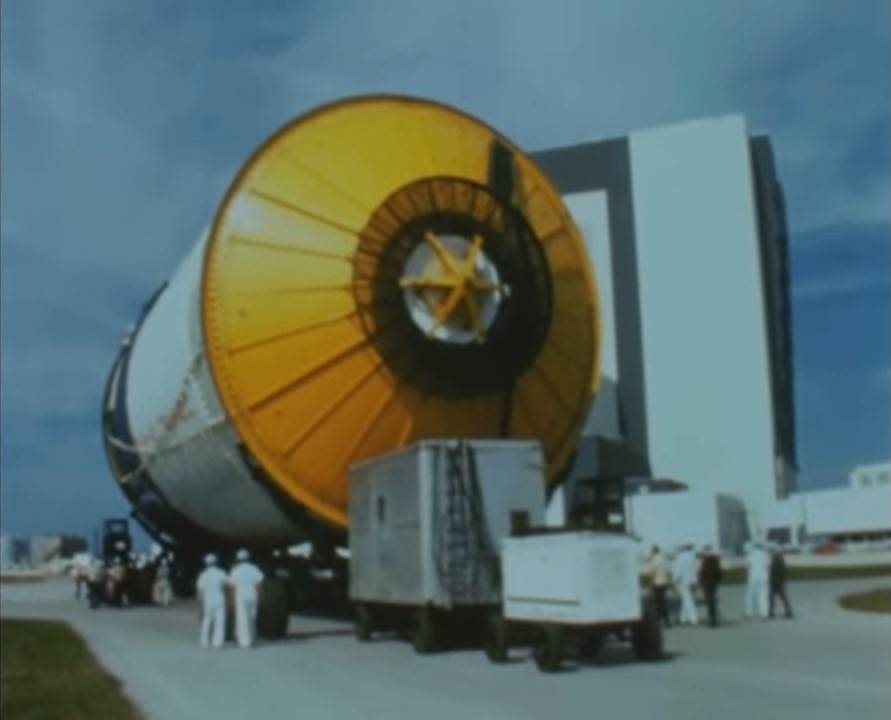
686,227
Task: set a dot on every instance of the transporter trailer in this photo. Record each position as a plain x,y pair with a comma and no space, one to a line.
447,541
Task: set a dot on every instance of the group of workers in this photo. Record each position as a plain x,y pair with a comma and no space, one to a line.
766,581
217,589
123,581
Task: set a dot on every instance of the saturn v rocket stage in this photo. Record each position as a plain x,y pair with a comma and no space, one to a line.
382,270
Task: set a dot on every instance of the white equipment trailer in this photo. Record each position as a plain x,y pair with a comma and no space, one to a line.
568,590
425,524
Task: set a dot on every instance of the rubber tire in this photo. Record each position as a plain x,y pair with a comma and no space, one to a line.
547,648
590,644
423,631
646,635
272,610
362,622
497,640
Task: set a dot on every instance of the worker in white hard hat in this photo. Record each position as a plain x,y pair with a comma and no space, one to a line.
245,579
684,572
758,571
211,587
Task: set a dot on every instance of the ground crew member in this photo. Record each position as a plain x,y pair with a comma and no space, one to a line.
684,572
709,579
211,587
96,584
162,591
778,575
758,564
659,576
245,579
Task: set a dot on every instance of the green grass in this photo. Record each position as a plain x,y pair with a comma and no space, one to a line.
47,673
736,576
21,578
874,601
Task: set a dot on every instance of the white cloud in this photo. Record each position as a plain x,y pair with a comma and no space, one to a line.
839,285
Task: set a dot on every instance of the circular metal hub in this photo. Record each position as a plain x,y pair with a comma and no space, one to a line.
452,288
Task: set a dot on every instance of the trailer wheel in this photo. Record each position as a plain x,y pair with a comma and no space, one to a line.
497,641
272,610
362,622
590,644
646,635
548,648
423,635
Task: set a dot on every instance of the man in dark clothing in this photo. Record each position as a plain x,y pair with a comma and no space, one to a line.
659,577
709,579
778,576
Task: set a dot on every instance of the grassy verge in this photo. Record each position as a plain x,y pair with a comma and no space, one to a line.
875,601
735,576
12,578
47,672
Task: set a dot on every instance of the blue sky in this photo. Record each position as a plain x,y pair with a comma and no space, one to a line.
123,122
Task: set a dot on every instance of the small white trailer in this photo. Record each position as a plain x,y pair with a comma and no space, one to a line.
425,526
568,590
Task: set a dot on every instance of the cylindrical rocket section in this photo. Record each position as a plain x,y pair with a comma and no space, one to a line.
382,270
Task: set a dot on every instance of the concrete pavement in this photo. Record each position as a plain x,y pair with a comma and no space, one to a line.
827,663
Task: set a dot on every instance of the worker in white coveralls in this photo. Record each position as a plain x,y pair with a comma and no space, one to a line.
758,574
684,572
245,579
211,587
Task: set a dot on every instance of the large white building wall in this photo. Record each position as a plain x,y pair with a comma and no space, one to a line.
708,399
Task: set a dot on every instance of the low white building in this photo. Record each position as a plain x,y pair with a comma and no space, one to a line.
703,517
843,513
5,552
874,475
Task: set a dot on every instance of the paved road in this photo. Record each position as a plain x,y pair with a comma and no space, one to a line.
827,663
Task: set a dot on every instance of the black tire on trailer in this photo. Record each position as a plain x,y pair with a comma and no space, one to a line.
423,631
272,610
182,579
547,648
362,622
497,638
590,644
646,635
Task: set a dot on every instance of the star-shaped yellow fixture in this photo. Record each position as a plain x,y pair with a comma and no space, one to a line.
459,284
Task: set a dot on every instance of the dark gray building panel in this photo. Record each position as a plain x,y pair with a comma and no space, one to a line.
774,248
606,166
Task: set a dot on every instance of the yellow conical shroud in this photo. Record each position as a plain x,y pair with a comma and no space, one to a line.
301,283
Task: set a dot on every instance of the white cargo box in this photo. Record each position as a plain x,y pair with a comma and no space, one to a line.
582,578
426,521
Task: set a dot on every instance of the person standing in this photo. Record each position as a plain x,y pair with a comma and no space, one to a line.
211,587
709,580
659,577
245,579
756,581
778,576
96,584
684,572
162,591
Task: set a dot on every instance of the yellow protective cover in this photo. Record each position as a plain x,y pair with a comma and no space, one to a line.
295,300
